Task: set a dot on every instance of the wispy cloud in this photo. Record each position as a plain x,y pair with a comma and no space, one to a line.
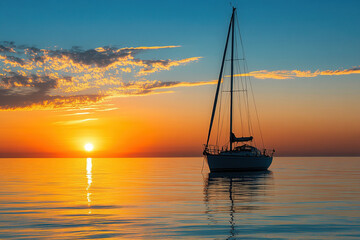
151,66
78,113
291,74
149,87
107,109
72,122
354,70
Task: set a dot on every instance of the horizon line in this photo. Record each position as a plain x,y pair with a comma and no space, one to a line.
173,156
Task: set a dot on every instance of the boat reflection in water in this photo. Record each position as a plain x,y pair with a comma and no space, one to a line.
229,196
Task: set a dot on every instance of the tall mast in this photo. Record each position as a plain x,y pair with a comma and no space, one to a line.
219,81
232,78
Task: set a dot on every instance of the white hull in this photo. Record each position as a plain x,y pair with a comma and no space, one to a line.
234,162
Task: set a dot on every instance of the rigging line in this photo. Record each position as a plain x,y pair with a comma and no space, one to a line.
246,96
246,103
220,119
239,95
245,73
202,168
232,79
252,92
251,128
235,59
220,96
248,108
243,79
220,77
224,119
235,90
256,112
252,131
255,107
219,132
257,115
226,144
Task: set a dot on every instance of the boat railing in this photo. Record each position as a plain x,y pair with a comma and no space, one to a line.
211,149
268,152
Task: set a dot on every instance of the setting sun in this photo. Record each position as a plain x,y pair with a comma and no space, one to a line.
89,147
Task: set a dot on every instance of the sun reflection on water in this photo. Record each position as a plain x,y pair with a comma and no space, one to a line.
89,181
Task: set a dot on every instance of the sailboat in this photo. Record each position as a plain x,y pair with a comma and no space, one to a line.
239,153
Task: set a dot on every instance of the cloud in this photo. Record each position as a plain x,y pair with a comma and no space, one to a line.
151,66
150,87
35,78
13,61
291,74
33,92
98,57
148,48
72,122
15,101
107,109
7,47
78,113
353,70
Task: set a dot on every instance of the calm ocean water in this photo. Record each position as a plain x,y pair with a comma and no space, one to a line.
169,198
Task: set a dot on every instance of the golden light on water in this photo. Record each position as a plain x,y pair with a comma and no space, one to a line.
89,181
88,147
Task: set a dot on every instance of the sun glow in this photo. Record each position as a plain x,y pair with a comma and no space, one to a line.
88,147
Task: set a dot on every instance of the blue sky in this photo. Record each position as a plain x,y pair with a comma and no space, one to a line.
313,34
277,35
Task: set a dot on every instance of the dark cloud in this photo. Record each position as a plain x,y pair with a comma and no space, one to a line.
13,101
28,91
32,50
100,57
150,87
91,57
150,66
7,46
40,83
145,87
355,68
15,60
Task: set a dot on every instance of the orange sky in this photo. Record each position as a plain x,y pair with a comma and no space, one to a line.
175,124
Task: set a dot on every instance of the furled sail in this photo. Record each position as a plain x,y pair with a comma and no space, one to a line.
241,139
